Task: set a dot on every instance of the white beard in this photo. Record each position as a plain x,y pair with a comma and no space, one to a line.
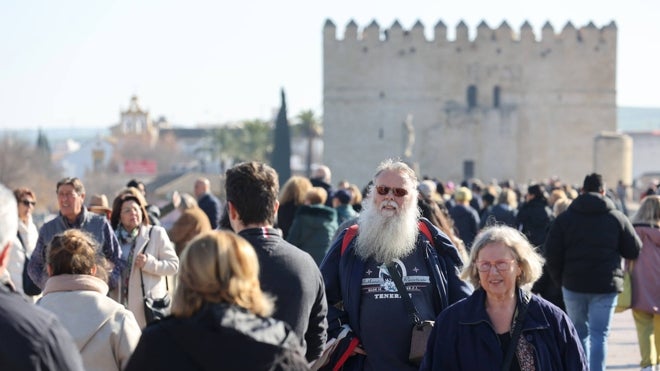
385,235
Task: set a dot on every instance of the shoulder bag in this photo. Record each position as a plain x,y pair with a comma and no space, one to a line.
155,309
421,330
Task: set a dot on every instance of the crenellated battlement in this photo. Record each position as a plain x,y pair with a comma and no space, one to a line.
587,34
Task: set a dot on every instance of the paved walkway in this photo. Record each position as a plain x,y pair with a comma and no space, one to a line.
623,350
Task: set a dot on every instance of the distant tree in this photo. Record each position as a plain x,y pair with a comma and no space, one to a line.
311,129
248,141
43,145
281,159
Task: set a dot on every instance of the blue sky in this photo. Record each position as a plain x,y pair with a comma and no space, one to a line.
76,63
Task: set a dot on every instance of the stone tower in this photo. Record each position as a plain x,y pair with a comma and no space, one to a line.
505,105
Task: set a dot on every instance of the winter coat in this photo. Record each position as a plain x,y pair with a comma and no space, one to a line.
343,275
218,337
96,225
211,207
466,220
463,338
646,271
285,214
312,230
585,245
104,331
294,279
32,337
500,214
533,219
345,212
161,261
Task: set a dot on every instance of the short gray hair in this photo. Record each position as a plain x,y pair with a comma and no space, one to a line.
529,260
8,216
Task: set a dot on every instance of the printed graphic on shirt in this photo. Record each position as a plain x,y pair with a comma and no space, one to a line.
378,283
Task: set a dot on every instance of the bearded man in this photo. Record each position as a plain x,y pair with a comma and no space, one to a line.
359,285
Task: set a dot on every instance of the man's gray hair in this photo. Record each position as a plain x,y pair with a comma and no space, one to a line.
8,216
399,167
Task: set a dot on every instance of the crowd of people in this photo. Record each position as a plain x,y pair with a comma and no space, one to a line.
321,276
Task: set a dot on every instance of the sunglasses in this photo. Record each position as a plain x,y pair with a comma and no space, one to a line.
398,192
28,203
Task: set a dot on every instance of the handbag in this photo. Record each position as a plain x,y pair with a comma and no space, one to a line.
624,299
159,308
421,330
29,287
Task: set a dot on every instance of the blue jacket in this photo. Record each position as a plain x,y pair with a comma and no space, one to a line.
212,208
464,339
94,224
342,274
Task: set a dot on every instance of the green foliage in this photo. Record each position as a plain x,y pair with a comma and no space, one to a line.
249,141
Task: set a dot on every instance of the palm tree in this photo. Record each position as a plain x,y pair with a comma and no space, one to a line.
312,129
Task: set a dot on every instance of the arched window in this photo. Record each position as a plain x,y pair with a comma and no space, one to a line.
496,96
472,97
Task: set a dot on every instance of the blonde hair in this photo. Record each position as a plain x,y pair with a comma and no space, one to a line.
294,190
561,205
219,267
316,196
529,260
649,211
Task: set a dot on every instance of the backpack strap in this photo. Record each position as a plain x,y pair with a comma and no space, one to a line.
352,231
348,238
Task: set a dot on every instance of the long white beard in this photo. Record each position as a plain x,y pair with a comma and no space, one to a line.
383,236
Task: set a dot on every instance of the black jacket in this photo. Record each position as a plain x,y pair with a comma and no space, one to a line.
33,338
586,243
533,219
294,279
212,208
218,337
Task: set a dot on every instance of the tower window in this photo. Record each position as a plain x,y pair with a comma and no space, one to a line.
472,97
496,96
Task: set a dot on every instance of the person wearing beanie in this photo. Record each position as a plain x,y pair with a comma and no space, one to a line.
341,201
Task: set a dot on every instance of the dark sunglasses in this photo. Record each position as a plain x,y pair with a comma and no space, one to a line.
28,203
398,192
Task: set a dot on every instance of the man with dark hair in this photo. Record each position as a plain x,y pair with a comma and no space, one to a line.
583,251
286,272
32,338
74,214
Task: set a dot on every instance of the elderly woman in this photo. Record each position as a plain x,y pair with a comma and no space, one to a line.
148,254
219,315
645,273
105,332
477,332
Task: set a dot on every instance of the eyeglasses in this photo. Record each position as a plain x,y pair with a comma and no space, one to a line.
398,192
500,265
67,195
28,203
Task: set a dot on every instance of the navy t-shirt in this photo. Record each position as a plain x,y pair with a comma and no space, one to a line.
385,324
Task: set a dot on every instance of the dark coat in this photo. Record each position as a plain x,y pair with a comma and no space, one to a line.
294,279
466,220
285,214
463,338
586,243
218,337
33,338
533,219
212,208
500,214
312,230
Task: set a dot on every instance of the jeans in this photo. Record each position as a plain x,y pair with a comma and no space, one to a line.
592,315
